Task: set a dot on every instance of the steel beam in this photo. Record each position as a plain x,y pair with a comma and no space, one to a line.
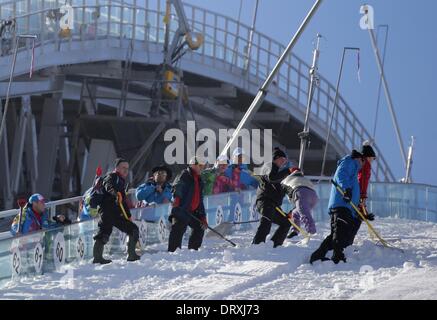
147,144
48,143
18,144
5,186
31,147
21,88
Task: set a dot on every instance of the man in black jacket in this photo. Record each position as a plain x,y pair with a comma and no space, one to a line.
188,208
269,195
114,212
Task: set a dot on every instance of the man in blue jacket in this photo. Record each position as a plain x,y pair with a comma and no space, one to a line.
34,217
157,189
343,217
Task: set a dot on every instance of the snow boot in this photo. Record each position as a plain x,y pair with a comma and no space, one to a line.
338,256
319,254
132,255
98,253
293,234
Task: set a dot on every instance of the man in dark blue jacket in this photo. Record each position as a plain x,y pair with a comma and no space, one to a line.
269,195
114,212
343,217
188,208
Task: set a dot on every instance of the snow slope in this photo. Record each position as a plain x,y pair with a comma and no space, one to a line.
256,272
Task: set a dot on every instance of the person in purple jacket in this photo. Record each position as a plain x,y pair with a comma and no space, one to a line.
301,192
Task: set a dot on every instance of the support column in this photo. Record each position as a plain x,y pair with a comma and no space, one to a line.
48,143
82,158
18,145
31,147
5,186
64,160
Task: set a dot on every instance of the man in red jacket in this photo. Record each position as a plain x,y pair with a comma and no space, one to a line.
364,178
188,209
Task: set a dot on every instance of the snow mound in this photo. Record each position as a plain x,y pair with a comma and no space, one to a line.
218,271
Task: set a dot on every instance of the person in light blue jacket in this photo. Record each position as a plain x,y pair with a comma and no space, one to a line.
34,217
157,189
239,174
343,217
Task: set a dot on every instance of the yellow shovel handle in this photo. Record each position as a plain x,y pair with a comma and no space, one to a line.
120,202
384,243
303,232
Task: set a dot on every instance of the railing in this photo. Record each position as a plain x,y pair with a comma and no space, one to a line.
50,250
225,42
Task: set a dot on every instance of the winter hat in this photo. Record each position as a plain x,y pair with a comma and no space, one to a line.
163,168
278,153
237,151
222,159
367,150
355,154
36,198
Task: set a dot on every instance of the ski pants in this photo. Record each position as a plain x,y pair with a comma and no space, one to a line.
178,229
110,220
270,215
305,200
355,230
343,230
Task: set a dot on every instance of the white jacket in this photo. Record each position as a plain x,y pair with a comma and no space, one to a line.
292,182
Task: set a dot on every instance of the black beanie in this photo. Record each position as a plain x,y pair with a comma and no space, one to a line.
367,150
119,160
355,154
278,153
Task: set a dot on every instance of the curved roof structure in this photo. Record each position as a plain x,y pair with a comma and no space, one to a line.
85,76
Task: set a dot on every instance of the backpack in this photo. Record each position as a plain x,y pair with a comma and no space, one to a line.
93,197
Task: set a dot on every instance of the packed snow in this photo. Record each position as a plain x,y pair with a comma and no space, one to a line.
246,272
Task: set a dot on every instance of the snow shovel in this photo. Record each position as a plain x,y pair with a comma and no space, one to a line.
301,231
216,232
369,231
223,228
380,239
226,227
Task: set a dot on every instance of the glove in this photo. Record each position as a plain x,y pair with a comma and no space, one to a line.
363,208
61,219
204,223
347,195
370,216
290,215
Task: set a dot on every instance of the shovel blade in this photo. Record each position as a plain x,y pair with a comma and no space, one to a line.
224,228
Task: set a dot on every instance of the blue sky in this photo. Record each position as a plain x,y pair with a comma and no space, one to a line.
410,64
